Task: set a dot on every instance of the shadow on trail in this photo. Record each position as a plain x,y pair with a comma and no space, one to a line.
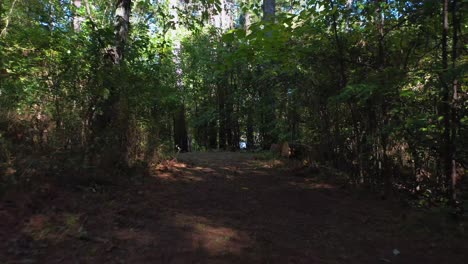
218,208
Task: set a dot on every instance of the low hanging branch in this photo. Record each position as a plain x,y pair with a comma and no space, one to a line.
7,19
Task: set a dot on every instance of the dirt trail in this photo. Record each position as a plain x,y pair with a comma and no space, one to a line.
216,208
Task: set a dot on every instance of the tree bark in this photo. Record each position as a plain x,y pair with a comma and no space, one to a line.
76,18
339,46
110,129
269,10
228,112
267,97
250,130
2,71
221,117
180,130
385,167
447,153
212,137
121,28
454,120
337,157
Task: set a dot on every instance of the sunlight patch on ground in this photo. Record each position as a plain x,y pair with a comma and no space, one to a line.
175,171
266,164
179,165
205,170
212,238
169,164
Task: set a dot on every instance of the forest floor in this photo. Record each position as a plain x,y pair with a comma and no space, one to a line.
220,208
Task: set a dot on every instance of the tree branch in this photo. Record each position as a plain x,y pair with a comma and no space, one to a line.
7,19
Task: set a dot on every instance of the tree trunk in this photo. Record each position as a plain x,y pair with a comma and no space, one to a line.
212,137
339,46
250,130
2,71
385,168
76,18
447,153
269,10
235,134
122,28
228,110
454,121
222,117
180,130
268,118
110,129
153,137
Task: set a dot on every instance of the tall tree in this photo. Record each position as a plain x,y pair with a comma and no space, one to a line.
181,139
266,91
454,119
110,128
269,10
447,139
122,28
76,18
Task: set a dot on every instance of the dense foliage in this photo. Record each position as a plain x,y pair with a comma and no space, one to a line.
376,89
